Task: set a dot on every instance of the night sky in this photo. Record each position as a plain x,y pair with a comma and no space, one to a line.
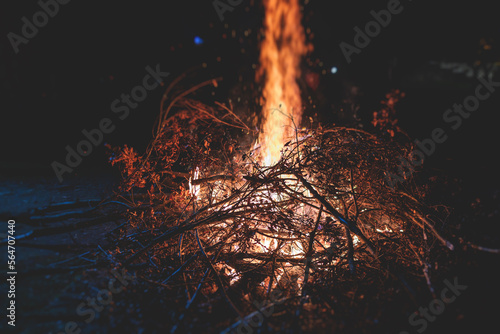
66,77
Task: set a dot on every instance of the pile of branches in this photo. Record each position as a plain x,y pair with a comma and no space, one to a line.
248,243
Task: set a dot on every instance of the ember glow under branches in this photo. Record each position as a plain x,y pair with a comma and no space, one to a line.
232,224
301,209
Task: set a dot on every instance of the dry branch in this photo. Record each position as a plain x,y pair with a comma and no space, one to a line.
233,227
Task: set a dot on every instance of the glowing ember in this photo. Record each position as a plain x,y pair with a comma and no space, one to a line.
280,55
194,189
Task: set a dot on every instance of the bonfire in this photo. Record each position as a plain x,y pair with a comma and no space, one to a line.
297,214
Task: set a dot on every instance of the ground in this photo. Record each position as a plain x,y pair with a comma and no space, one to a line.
55,276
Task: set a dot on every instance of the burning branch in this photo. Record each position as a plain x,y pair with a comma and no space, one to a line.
237,226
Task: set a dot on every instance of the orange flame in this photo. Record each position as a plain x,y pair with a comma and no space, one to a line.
281,51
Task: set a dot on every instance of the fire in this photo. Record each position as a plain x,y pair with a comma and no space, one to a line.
291,226
194,190
281,51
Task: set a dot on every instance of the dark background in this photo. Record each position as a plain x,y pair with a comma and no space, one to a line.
65,78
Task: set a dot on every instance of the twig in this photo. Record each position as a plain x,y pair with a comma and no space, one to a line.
350,253
251,315
67,260
190,301
218,280
484,249
309,255
352,226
